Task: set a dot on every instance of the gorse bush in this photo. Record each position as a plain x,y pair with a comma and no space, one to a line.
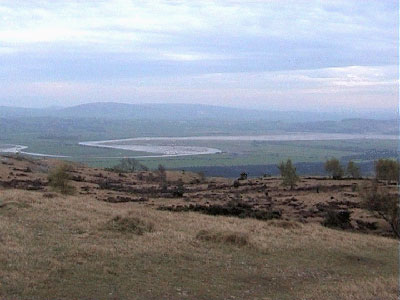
59,179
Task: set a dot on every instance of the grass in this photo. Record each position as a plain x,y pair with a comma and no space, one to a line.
228,237
61,137
58,249
130,224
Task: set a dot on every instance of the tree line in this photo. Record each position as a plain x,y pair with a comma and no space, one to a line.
385,169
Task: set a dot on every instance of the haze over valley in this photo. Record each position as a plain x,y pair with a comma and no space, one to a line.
212,139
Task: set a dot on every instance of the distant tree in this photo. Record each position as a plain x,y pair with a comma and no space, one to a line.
202,177
333,167
383,203
288,173
128,165
179,189
353,170
162,173
243,176
387,169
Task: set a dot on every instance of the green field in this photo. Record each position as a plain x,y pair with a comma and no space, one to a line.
61,137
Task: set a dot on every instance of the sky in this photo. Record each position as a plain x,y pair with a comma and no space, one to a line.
315,55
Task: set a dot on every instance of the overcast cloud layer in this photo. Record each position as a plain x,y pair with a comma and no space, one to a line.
286,55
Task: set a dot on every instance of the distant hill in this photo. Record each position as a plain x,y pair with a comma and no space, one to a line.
180,112
122,111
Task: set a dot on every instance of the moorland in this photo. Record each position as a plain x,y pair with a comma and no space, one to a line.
107,234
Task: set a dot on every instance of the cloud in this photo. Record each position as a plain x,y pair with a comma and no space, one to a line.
327,88
183,49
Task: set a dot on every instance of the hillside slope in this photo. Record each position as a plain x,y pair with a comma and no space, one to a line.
109,241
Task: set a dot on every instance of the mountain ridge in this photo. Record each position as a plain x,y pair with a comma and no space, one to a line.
178,111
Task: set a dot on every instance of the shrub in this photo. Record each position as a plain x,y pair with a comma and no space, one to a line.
353,170
130,225
202,177
243,176
387,169
288,173
179,189
382,203
232,238
333,167
162,174
236,184
59,179
164,187
128,165
337,219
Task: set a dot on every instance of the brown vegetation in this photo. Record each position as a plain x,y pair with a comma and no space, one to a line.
225,237
84,247
130,224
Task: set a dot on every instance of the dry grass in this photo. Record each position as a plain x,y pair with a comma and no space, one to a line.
231,238
286,224
58,249
130,224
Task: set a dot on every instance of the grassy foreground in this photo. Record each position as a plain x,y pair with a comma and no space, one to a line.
67,247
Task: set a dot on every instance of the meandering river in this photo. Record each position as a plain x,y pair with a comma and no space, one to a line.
139,144
167,145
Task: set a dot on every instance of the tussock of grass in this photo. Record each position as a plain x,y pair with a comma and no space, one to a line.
232,238
49,195
130,224
285,224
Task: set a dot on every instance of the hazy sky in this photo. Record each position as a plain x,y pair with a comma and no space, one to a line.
287,55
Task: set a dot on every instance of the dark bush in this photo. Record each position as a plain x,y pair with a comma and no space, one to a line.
243,176
179,189
233,208
337,219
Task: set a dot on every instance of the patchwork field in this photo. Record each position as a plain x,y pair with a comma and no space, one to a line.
61,136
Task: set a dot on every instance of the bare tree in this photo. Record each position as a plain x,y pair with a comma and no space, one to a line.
384,204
